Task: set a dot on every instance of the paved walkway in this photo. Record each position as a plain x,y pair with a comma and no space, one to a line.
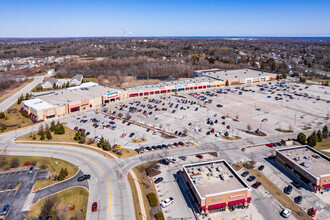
63,185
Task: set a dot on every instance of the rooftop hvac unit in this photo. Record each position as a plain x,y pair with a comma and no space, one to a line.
197,181
219,168
201,169
224,176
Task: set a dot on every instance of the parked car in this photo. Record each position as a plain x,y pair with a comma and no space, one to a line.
94,207
183,157
5,209
269,145
158,180
264,120
311,212
167,202
297,185
245,173
251,178
84,177
256,185
288,189
171,159
286,213
261,168
298,199
199,156
31,170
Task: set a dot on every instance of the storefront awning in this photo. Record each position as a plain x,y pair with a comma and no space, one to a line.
326,185
163,90
236,202
75,107
219,205
133,94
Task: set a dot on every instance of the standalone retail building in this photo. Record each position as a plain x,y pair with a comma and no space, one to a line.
308,165
216,186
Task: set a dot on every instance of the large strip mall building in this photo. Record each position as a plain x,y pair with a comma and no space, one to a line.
92,95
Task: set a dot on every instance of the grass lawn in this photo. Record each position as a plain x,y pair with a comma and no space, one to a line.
15,119
77,196
324,145
53,165
135,197
67,137
6,94
90,80
146,186
279,195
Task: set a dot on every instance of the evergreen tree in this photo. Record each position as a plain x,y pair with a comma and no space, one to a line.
52,215
67,85
312,140
319,136
34,137
52,126
77,136
226,83
2,115
107,146
100,144
48,135
325,131
42,136
301,138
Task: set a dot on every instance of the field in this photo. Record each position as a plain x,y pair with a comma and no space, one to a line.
77,196
8,93
324,145
15,119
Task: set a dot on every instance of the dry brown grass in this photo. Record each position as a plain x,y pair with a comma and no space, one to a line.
145,185
135,197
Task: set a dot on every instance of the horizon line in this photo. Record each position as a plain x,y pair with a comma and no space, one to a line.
1,38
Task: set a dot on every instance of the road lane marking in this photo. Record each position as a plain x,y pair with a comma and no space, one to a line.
76,154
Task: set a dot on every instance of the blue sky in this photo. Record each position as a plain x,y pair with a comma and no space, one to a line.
73,18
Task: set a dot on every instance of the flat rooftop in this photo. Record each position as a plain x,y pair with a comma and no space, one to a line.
75,94
182,81
232,74
211,178
316,162
37,104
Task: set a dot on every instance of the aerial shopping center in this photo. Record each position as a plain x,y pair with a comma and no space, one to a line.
91,95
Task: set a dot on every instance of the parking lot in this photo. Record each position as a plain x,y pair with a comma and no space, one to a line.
198,118
215,117
15,187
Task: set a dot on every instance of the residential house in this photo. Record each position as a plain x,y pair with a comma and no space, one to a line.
49,83
76,80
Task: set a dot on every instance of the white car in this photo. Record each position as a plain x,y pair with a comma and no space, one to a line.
171,159
286,213
166,202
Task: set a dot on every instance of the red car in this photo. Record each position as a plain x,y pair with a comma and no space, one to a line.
311,212
94,207
176,144
181,143
199,156
212,130
270,145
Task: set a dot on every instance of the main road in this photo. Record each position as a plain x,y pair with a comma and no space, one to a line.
12,99
108,186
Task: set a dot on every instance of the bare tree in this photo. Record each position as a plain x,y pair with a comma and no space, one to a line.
3,156
49,204
41,129
249,127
